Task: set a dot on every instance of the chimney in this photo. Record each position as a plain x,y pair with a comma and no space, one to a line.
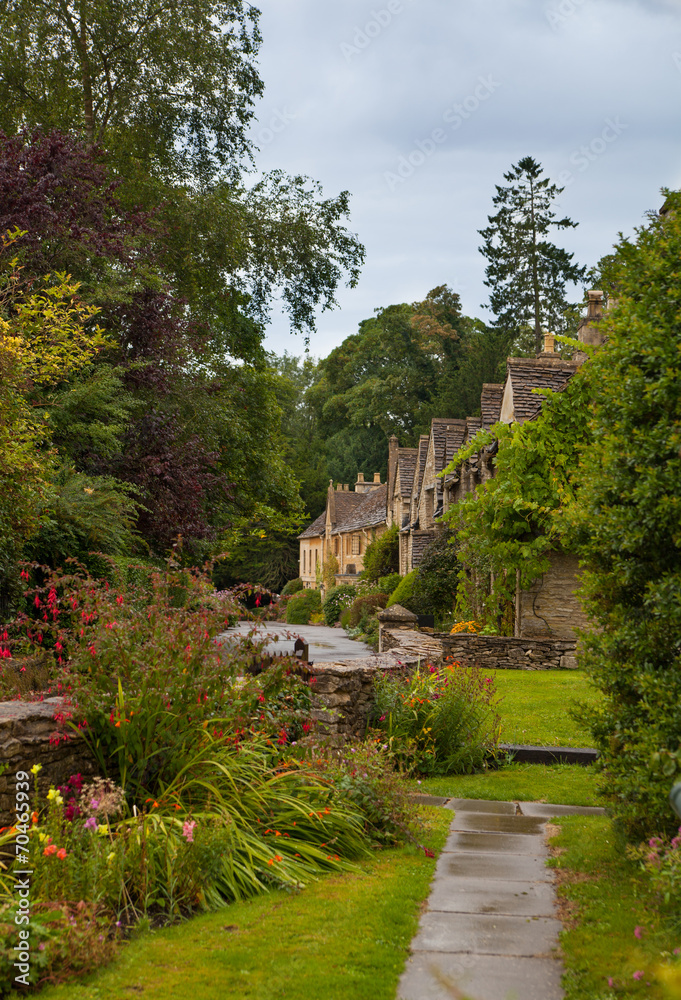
588,330
377,478
345,487
549,343
360,477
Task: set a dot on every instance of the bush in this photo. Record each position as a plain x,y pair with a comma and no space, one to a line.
364,608
382,555
403,593
436,585
438,721
387,584
345,618
302,605
336,601
292,587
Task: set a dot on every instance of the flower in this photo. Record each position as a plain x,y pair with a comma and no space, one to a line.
638,932
61,853
34,817
188,830
638,974
611,982
90,823
109,859
50,849
36,769
102,830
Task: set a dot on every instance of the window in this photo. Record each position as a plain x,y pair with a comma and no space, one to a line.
355,545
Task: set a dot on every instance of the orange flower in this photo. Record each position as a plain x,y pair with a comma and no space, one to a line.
277,857
61,853
270,862
117,725
34,817
50,849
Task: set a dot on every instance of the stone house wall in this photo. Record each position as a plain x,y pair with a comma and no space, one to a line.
550,607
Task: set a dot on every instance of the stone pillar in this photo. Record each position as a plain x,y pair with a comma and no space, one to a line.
392,618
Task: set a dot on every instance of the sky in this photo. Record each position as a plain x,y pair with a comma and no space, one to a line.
419,107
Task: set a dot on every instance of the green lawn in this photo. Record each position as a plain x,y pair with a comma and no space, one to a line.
345,937
566,784
535,707
607,900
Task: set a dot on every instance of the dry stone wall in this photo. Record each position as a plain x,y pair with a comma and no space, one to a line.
28,736
503,653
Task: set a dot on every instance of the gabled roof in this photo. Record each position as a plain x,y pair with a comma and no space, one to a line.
443,432
519,402
369,513
341,504
424,441
473,425
490,403
317,528
406,466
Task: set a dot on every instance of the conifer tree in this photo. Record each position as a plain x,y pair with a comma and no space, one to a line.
527,274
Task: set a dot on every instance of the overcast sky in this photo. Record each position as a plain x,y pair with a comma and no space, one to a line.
418,107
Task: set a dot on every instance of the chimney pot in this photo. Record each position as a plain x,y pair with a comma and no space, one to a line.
377,477
345,487
549,343
360,477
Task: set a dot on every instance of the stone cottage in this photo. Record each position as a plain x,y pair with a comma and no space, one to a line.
352,519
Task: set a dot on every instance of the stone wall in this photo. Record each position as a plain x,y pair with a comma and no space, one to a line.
28,733
504,653
550,609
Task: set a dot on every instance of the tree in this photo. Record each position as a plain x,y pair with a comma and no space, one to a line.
527,274
626,522
164,83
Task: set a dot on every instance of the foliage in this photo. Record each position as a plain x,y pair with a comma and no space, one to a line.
302,605
67,940
526,273
510,525
625,524
404,591
661,861
336,601
330,568
364,608
386,584
436,584
292,587
382,555
271,945
438,721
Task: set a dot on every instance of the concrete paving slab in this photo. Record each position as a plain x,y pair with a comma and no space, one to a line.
478,806
487,934
482,977
546,810
475,895
429,800
497,843
508,867
494,823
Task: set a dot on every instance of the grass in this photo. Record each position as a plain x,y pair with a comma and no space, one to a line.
604,899
536,703
567,784
345,937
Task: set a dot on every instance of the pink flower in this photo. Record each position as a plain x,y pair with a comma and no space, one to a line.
611,982
638,974
638,932
91,823
188,830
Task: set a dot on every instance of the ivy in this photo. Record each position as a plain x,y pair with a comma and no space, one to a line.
512,523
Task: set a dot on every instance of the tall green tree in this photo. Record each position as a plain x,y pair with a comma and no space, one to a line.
527,274
626,522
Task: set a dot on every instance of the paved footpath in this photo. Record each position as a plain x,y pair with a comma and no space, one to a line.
489,931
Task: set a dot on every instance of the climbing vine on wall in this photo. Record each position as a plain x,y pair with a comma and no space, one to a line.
511,524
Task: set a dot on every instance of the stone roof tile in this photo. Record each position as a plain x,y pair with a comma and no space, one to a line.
367,514
543,372
490,403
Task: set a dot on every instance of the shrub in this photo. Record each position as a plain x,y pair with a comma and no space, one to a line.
345,618
438,721
336,601
402,594
364,608
302,605
382,555
435,587
387,584
292,587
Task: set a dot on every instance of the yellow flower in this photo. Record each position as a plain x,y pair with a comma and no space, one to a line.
35,769
42,837
102,830
110,857
52,794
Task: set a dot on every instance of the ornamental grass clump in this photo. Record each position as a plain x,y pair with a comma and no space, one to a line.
438,721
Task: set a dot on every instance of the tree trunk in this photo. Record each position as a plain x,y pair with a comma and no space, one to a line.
86,76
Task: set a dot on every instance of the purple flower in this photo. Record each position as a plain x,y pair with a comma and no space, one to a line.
638,974
90,823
